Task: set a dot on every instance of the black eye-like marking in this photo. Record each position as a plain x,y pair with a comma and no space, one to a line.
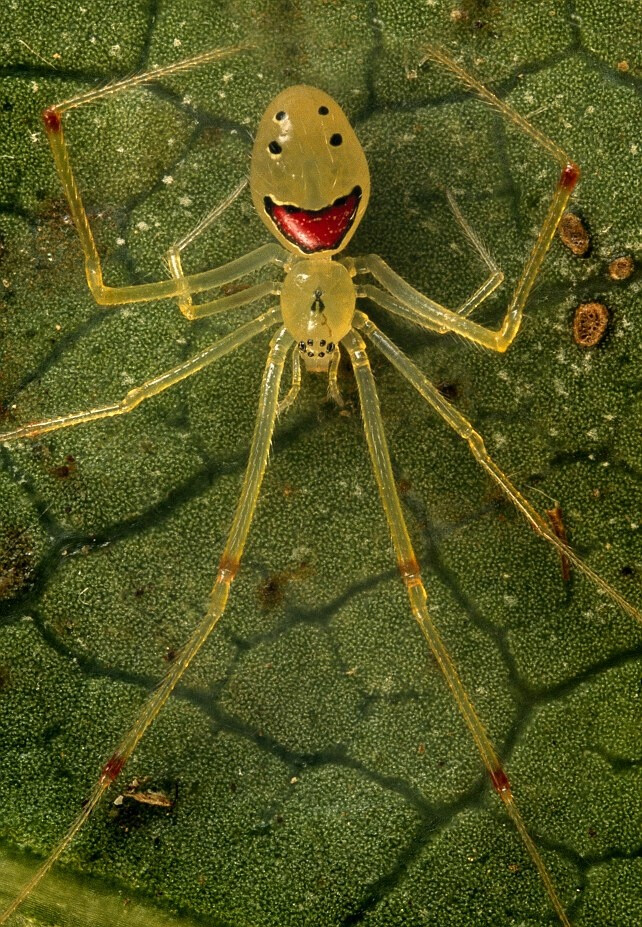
274,148
280,115
323,111
336,139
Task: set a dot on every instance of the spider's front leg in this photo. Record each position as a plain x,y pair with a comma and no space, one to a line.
179,287
403,299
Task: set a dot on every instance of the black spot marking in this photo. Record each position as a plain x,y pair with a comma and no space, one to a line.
336,139
323,111
280,115
274,148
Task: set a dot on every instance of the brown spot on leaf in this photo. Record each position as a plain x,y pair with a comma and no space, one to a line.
272,589
448,390
16,562
574,234
589,324
65,469
621,267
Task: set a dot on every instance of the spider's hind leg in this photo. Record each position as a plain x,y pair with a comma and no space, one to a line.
227,569
410,573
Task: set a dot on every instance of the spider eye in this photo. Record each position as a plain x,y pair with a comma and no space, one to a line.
274,148
323,111
336,139
280,115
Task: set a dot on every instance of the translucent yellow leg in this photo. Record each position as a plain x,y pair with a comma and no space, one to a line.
221,303
406,301
495,278
151,387
410,573
293,392
333,381
476,443
162,289
228,567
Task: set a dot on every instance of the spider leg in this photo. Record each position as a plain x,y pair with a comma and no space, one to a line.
411,576
476,443
496,276
185,302
293,392
151,387
228,567
161,289
333,382
419,309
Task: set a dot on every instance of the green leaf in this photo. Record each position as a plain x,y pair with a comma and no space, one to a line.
312,768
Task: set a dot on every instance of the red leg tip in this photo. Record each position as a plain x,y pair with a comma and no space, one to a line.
52,120
500,780
113,767
570,176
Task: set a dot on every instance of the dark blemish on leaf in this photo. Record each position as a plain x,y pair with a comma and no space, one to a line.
627,571
5,678
136,791
589,324
16,562
65,470
621,268
170,654
574,234
557,524
404,487
7,106
272,590
448,390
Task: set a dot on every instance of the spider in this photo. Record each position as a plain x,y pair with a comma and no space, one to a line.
310,185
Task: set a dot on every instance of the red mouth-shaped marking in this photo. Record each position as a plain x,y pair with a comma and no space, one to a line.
315,229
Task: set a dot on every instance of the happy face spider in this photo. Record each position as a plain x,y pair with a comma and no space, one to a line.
310,185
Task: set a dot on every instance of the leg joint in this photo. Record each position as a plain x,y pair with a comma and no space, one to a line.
410,571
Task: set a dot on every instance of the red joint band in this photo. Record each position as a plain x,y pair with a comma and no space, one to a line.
409,569
52,120
500,780
228,565
113,767
570,176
